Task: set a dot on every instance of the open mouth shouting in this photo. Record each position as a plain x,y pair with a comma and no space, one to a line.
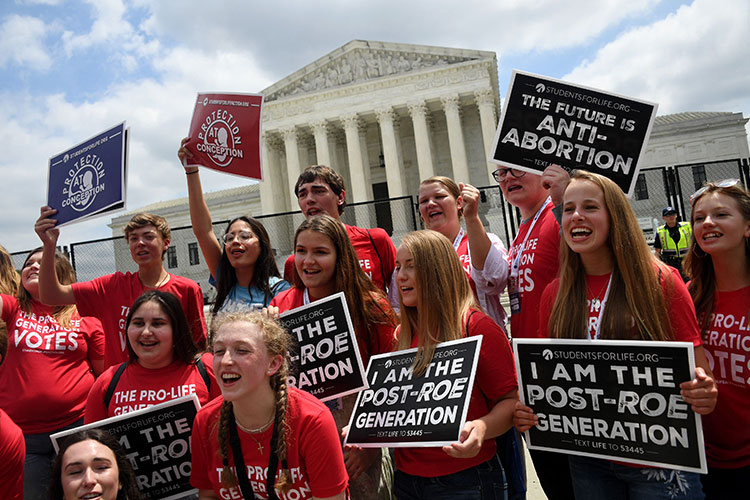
580,233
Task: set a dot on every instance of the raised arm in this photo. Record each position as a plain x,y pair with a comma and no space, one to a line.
479,242
51,291
200,217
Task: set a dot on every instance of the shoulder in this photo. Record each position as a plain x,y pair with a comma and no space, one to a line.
182,282
480,323
305,406
285,300
209,412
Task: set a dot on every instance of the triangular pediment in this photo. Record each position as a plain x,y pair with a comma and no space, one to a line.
361,60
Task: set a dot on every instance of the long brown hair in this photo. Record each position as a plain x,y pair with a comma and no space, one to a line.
699,265
636,300
444,296
367,303
65,275
277,342
8,275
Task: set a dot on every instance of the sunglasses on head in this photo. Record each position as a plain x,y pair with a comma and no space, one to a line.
724,183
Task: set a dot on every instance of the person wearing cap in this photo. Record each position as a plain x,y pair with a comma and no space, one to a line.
672,240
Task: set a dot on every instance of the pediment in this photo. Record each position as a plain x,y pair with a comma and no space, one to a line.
359,61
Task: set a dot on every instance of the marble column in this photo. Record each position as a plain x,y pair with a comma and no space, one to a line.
419,114
393,169
356,158
451,105
267,188
320,131
486,103
292,159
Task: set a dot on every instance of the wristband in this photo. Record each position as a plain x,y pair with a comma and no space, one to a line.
191,172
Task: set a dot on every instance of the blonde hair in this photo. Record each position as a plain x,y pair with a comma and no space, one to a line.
277,342
444,296
635,295
65,275
8,275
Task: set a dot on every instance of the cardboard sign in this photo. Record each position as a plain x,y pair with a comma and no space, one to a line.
325,361
547,121
89,179
156,441
618,400
225,133
399,410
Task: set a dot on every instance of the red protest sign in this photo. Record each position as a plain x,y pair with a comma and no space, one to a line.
225,133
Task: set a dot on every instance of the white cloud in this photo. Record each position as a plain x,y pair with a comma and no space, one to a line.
696,59
22,42
285,35
108,25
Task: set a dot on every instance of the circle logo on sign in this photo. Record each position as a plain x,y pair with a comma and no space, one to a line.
83,185
220,142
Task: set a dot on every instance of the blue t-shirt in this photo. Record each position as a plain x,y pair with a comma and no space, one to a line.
241,294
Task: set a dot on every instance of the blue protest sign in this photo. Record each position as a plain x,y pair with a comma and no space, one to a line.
88,179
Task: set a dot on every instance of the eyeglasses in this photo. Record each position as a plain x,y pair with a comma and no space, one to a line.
501,173
243,236
725,183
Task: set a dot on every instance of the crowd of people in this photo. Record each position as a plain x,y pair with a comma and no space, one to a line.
579,267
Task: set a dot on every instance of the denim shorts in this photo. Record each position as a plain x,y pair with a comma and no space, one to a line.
485,481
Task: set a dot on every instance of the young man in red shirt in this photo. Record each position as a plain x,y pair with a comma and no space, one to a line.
320,190
109,297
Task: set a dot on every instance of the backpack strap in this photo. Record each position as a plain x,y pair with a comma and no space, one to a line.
467,322
113,384
204,374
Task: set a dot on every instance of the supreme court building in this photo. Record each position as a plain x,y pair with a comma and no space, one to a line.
383,115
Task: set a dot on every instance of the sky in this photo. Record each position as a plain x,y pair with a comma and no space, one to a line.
70,69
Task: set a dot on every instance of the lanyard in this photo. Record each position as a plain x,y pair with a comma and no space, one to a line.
241,468
305,297
514,269
601,310
459,238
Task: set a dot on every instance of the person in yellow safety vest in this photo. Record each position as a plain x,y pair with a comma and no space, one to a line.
672,240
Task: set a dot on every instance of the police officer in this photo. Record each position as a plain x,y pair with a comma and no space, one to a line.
672,240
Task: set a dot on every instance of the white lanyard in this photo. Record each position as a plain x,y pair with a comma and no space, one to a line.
459,237
601,310
514,270
306,297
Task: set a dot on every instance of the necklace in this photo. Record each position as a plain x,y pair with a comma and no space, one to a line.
158,283
260,429
596,303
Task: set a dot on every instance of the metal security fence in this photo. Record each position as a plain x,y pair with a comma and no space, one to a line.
656,189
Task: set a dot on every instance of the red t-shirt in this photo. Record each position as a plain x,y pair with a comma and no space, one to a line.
679,304
538,267
12,456
496,376
109,298
47,373
383,337
727,345
141,387
379,269
313,455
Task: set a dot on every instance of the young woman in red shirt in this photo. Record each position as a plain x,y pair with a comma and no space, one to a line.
612,287
437,305
325,263
262,439
719,266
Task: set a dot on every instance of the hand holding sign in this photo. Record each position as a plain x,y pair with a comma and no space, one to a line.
45,227
555,179
701,392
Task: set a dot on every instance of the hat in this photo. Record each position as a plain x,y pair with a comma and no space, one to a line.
667,211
